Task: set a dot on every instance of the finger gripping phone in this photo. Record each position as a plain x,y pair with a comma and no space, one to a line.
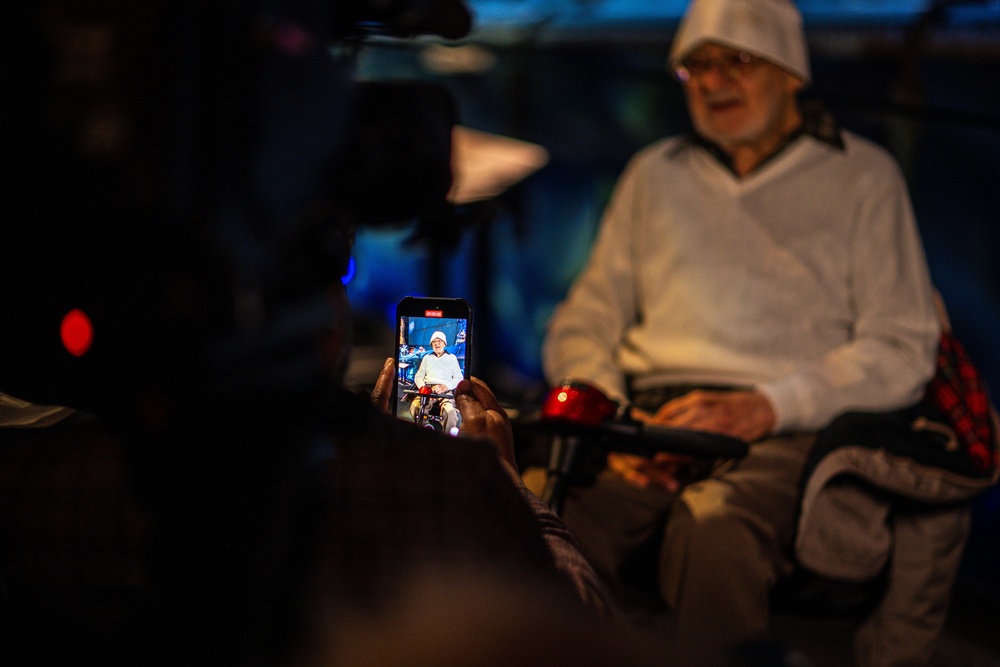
433,354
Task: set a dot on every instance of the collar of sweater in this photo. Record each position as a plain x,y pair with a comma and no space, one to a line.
817,123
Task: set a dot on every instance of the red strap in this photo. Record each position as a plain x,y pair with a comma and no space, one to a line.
958,391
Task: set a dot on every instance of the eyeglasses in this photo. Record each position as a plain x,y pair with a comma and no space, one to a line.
735,66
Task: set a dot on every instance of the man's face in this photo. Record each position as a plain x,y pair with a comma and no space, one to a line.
438,346
736,102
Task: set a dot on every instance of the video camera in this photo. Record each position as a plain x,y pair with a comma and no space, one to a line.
184,178
187,178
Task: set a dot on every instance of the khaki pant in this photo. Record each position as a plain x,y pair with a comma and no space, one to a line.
451,418
726,541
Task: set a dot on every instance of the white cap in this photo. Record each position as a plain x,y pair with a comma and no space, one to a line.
439,334
771,29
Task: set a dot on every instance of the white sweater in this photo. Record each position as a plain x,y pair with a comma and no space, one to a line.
438,370
805,279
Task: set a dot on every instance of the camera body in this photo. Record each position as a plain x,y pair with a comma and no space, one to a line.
190,186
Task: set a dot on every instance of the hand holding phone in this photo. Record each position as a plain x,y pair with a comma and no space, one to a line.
432,355
384,388
484,417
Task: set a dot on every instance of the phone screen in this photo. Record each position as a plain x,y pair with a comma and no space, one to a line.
433,352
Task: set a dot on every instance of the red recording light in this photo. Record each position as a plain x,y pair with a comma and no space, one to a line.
76,332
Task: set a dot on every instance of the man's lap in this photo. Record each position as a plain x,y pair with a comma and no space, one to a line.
612,519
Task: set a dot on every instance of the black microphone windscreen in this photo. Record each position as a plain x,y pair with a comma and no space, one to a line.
452,20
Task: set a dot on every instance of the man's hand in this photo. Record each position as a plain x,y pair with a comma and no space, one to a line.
483,416
741,414
382,393
663,471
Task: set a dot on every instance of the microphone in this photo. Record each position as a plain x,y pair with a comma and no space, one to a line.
450,19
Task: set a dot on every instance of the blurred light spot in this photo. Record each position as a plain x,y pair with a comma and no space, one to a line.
76,332
464,59
352,269
485,164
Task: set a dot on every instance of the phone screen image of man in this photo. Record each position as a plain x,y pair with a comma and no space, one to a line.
431,363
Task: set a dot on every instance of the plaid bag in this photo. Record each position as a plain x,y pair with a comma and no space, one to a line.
959,393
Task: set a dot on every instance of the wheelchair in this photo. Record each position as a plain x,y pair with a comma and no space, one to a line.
917,505
428,414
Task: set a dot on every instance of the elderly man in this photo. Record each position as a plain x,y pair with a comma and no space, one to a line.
756,278
440,371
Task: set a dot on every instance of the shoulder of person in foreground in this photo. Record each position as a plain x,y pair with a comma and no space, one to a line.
406,497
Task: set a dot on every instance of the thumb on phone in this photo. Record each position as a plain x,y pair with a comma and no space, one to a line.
483,416
382,391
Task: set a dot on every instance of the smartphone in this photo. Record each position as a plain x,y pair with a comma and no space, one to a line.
433,354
